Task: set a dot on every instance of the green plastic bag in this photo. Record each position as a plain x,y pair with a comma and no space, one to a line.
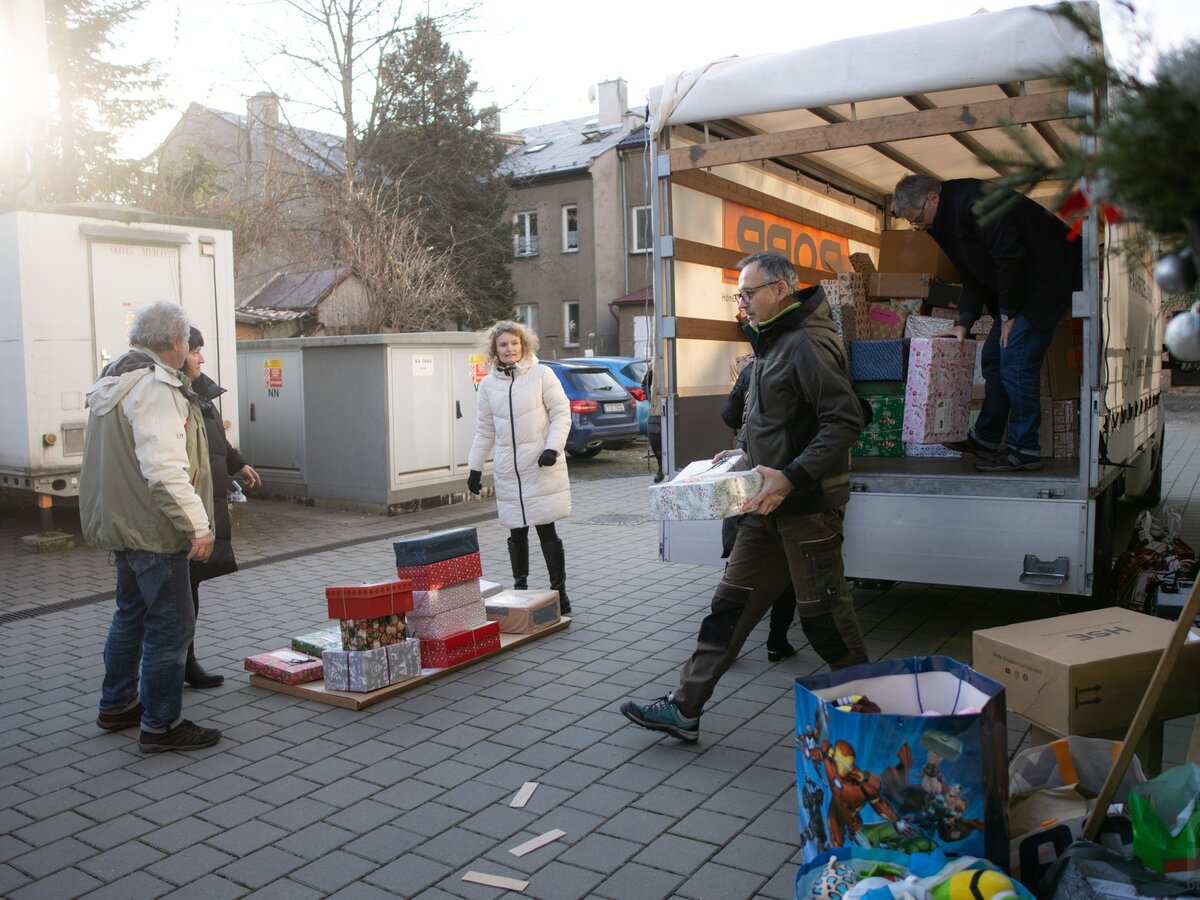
1166,823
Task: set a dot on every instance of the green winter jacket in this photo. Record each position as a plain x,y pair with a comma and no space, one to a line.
802,414
145,482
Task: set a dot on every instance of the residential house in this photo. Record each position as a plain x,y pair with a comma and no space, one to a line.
305,304
581,229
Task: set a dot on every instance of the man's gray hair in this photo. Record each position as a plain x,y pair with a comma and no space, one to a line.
774,266
911,191
159,326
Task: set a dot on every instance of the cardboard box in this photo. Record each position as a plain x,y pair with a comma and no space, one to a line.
370,634
1086,673
452,596
862,263
882,436
1063,362
285,666
703,491
879,360
458,648
317,642
523,612
447,622
894,285
937,397
370,670
917,253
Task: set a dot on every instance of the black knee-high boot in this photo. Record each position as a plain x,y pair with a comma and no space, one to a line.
518,557
556,566
194,673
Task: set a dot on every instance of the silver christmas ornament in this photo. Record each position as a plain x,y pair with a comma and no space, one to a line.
1176,272
1183,335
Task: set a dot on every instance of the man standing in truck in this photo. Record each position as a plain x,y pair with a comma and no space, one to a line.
145,492
1022,266
801,416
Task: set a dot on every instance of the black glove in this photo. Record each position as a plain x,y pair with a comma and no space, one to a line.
548,458
475,482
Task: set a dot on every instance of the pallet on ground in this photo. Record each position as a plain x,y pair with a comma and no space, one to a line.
315,690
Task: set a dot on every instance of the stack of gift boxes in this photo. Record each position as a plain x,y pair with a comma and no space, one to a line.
926,391
374,651
448,616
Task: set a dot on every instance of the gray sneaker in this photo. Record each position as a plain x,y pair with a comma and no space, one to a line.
184,736
663,715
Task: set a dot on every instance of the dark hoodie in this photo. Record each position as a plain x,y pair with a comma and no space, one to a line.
802,414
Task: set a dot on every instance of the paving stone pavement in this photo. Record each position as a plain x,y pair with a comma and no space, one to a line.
399,800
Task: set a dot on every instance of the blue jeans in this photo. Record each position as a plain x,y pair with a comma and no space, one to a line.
152,626
1011,394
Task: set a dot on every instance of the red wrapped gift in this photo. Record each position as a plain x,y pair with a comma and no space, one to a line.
286,665
369,601
460,647
432,576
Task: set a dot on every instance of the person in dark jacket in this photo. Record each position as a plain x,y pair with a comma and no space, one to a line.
802,415
783,610
1022,267
226,464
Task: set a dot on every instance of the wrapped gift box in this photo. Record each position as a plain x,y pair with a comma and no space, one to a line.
486,588
452,596
370,670
368,634
523,612
369,601
937,400
930,450
431,576
460,647
883,321
926,326
451,621
882,436
317,642
286,665
862,263
423,549
703,491
1066,429
845,321
878,360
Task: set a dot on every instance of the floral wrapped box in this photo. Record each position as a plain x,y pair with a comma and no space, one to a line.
431,576
448,622
423,549
523,612
287,666
452,596
458,648
369,601
704,491
369,670
317,642
368,634
937,400
882,436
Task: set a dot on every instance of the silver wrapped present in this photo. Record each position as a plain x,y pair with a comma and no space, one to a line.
447,622
370,670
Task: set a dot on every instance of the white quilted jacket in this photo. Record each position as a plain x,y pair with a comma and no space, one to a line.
518,417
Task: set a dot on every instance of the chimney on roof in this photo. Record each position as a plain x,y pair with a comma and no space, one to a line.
262,117
614,101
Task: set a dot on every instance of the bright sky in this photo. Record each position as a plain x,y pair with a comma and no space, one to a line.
536,58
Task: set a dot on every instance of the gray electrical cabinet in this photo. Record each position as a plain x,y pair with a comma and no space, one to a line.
381,421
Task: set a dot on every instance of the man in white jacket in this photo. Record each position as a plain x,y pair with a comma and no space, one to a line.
145,492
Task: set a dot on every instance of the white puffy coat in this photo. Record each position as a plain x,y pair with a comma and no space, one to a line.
518,417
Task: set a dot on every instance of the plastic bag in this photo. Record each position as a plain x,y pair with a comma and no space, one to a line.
1155,555
869,873
1050,789
1166,823
1086,871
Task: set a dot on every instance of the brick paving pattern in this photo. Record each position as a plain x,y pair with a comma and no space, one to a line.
401,799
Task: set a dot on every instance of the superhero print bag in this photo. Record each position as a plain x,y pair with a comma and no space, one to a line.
907,755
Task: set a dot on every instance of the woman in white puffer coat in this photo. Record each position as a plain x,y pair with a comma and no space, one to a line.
523,420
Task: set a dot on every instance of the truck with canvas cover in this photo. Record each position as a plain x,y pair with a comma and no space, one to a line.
799,152
71,280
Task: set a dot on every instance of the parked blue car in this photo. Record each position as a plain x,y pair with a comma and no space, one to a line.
629,372
602,412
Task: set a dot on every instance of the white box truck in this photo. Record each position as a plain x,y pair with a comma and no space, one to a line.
71,279
799,152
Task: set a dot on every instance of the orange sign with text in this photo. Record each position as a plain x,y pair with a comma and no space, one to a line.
748,230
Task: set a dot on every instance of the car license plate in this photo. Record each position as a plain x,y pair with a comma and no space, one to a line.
614,407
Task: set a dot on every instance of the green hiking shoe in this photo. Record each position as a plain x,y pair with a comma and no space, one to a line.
663,715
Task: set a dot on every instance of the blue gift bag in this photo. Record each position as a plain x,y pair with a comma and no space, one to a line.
929,771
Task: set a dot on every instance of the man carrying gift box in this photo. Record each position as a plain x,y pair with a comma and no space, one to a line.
1022,266
801,417
145,492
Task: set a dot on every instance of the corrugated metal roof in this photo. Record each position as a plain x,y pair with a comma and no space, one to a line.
563,146
300,291
256,314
